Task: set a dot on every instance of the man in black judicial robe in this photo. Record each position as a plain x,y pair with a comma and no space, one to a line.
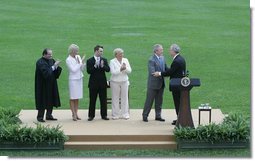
177,70
46,88
96,67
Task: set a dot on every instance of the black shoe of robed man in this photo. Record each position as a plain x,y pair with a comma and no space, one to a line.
160,119
51,118
40,120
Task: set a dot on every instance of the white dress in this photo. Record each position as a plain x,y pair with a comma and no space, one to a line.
75,76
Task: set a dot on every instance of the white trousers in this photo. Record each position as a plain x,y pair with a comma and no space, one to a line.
120,91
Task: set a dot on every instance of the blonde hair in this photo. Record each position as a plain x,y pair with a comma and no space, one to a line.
72,47
118,50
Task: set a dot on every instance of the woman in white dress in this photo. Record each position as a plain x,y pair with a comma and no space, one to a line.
120,68
75,65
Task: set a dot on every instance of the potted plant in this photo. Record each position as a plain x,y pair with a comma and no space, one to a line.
233,132
14,136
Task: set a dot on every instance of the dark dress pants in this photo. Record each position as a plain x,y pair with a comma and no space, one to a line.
93,92
157,95
176,97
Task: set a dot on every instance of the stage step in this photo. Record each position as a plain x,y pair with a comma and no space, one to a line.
74,138
117,145
94,142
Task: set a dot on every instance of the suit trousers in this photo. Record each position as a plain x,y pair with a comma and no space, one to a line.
120,93
40,114
93,92
157,95
177,98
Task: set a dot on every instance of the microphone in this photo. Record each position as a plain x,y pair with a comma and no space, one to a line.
187,73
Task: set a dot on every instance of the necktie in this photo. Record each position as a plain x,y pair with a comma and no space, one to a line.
98,61
161,63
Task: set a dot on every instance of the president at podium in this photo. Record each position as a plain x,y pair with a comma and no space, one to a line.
177,70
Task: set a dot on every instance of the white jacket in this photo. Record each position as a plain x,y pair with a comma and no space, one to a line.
75,68
117,75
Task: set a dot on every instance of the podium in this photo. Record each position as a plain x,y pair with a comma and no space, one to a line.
184,118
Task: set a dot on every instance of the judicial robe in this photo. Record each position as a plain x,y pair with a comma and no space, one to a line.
46,87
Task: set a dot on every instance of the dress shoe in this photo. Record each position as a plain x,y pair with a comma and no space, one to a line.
74,118
160,119
90,119
105,118
145,119
51,118
174,122
40,120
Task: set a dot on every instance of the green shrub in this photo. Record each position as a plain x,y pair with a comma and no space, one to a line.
10,115
11,131
234,128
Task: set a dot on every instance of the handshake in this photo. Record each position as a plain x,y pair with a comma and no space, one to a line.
156,74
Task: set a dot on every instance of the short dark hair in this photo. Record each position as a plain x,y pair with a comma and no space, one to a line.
45,51
96,48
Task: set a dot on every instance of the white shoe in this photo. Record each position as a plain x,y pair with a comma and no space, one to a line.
115,118
126,118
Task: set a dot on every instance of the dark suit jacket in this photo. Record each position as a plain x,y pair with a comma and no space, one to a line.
178,67
97,77
154,66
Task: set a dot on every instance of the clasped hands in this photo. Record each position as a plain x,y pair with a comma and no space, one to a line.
123,67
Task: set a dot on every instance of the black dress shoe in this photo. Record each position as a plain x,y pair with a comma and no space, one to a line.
174,122
145,119
40,120
160,119
90,118
105,118
51,118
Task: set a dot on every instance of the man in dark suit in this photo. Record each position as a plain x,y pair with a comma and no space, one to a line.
96,67
177,70
155,85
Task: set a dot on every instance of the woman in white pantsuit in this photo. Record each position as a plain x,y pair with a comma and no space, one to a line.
75,67
120,68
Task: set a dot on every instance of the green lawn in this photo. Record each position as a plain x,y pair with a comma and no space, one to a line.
214,37
231,153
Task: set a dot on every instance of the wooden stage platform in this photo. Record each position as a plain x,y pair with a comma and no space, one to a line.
118,134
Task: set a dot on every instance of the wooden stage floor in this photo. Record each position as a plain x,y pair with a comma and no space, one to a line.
118,134
134,125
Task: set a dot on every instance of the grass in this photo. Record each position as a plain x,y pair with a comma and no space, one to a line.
215,153
214,37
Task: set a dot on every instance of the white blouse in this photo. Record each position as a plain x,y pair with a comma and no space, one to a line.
75,68
117,75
